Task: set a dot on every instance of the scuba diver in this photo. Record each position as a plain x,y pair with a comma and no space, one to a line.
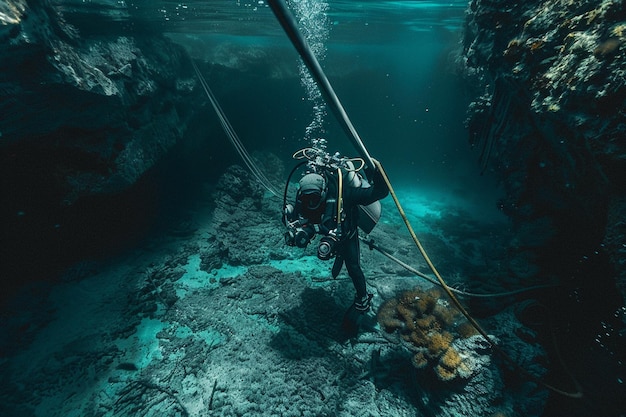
333,200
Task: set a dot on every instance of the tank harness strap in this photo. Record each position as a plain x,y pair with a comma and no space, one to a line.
339,201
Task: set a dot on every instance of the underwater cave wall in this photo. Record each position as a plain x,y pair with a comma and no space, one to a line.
549,119
88,107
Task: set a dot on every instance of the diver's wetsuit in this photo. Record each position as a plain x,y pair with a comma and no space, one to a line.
348,250
348,247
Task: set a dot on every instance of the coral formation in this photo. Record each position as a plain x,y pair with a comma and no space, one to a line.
444,373
438,343
451,359
429,325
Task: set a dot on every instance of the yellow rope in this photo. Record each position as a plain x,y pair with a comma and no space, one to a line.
427,259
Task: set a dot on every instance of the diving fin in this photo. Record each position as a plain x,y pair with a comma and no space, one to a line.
337,266
355,320
350,323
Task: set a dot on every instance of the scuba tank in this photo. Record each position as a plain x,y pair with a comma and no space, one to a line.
368,215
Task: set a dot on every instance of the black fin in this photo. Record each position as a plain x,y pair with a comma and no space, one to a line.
350,322
337,266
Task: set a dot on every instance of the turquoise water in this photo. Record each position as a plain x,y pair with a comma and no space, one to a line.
392,63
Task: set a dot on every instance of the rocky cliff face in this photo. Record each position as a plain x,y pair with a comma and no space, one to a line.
118,101
550,120
85,113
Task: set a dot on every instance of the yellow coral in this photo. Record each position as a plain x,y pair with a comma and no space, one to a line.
434,292
448,365
407,315
391,324
387,316
451,359
418,338
445,314
422,319
425,303
426,322
439,343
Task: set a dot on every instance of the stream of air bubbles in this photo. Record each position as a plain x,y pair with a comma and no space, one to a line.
313,21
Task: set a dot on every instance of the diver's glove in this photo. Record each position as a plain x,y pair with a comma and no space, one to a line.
373,173
376,177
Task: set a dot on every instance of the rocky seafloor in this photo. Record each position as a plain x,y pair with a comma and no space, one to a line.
217,316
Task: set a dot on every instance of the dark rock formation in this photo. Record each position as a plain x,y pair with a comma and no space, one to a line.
118,101
85,115
550,122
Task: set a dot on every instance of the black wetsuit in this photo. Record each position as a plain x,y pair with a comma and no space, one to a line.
347,250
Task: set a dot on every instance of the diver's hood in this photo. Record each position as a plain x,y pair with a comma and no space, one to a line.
312,184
